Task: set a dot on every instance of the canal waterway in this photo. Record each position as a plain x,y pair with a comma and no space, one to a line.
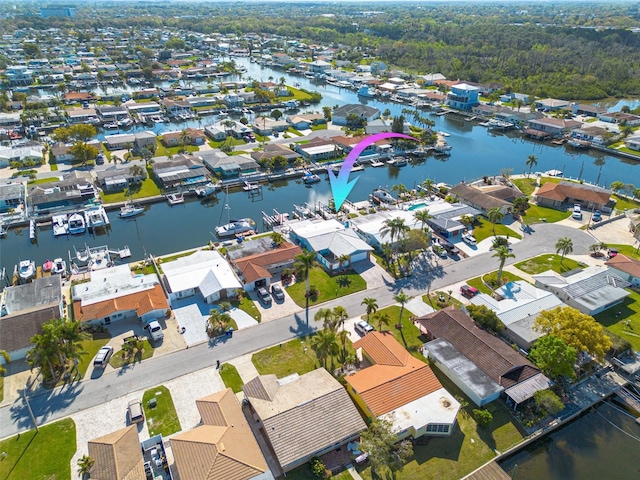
602,444
476,152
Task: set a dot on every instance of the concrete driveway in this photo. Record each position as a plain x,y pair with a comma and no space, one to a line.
276,309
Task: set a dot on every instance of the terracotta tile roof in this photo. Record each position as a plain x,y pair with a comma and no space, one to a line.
625,264
141,302
565,191
224,447
254,267
494,357
396,379
117,456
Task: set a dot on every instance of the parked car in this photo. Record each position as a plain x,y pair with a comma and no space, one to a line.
577,213
103,356
100,159
136,414
155,330
469,239
613,252
363,327
468,291
597,216
264,296
276,291
449,247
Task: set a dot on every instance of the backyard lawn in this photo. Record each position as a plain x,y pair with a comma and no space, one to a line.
329,287
409,336
623,203
162,419
543,263
526,185
118,360
294,356
147,188
162,151
477,282
44,454
246,305
231,377
483,228
624,319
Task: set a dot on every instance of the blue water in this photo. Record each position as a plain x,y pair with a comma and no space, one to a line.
416,206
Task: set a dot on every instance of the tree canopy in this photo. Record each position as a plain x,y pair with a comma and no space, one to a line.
554,357
385,455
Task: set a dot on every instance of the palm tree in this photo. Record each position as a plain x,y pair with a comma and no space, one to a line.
495,215
343,335
402,298
184,139
128,146
502,253
218,322
326,315
395,228
342,259
303,263
84,465
340,316
428,184
325,343
372,306
277,238
7,359
383,320
136,171
422,216
564,245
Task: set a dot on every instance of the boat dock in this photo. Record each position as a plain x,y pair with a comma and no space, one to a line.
630,399
270,221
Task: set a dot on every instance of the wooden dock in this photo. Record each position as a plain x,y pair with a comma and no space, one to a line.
489,471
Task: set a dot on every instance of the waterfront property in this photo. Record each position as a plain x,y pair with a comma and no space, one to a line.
135,141
222,446
484,200
566,194
480,364
275,150
401,389
117,455
190,136
117,178
22,155
74,191
340,115
115,294
204,272
370,226
12,195
303,416
463,96
227,166
183,171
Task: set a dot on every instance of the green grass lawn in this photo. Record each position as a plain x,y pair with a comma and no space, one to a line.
298,94
246,305
118,361
294,356
148,188
161,150
171,258
483,228
231,377
456,456
40,181
409,336
320,126
526,185
623,203
433,300
330,287
228,141
626,250
547,262
535,214
1,388
477,282
45,454
627,324
91,346
162,419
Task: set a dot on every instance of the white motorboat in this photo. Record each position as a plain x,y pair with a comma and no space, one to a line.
206,190
59,267
357,167
96,217
175,198
366,92
383,195
60,225
130,209
397,162
310,178
27,269
250,187
77,224
236,227
3,230
110,126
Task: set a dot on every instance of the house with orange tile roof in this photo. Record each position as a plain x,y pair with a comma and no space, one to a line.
628,268
402,389
223,446
115,294
566,194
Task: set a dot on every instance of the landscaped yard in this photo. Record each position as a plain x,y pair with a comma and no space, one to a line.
409,336
526,185
434,300
546,262
148,188
329,287
294,356
45,454
623,203
320,126
535,214
626,250
228,141
483,228
624,319
246,305
91,346
162,151
162,419
231,377
466,449
477,282
118,360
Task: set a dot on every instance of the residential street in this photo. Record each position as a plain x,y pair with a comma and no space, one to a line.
67,400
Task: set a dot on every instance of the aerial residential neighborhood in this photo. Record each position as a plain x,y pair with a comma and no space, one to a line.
186,293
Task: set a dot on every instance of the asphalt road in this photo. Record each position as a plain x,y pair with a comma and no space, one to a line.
64,401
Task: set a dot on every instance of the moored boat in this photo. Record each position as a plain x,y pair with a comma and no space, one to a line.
47,266
366,92
27,269
130,209
60,225
383,195
397,162
59,267
250,187
96,217
206,190
310,178
175,198
77,224
236,227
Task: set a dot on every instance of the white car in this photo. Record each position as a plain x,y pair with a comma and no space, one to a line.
363,327
155,330
577,213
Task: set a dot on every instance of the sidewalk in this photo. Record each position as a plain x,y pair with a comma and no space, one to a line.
246,368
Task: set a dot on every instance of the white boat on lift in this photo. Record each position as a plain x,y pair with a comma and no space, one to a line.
206,190
96,217
77,224
236,227
310,178
60,225
250,187
27,270
59,267
382,195
175,198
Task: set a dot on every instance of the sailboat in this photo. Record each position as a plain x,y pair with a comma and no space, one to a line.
233,228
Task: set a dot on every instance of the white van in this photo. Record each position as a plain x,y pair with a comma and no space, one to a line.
155,331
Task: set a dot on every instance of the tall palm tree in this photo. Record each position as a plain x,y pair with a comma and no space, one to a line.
184,139
326,315
531,162
422,216
325,344
340,316
84,465
502,253
564,246
372,306
383,320
303,263
495,215
402,298
428,184
395,228
343,336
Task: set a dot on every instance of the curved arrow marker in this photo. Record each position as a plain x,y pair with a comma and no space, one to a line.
340,184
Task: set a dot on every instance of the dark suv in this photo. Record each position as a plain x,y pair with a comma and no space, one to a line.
264,296
449,247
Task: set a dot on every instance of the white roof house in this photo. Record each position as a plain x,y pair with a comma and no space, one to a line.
205,272
591,290
520,306
369,226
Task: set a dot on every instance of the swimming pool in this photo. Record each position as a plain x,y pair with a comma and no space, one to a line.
416,206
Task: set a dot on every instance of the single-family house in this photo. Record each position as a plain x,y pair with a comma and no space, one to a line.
24,309
462,96
190,136
233,100
12,195
626,267
552,104
446,217
175,107
74,190
433,78
592,133
116,293
258,261
275,150
566,194
303,416
112,113
81,115
77,97
319,66
479,363
204,272
517,305
222,446
591,290
305,121
340,114
371,227
144,108
401,389
587,110
384,125
228,166
181,171
117,178
477,198
548,127
620,117
137,141
267,125
317,149
146,94
117,455
27,155
229,127
61,152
